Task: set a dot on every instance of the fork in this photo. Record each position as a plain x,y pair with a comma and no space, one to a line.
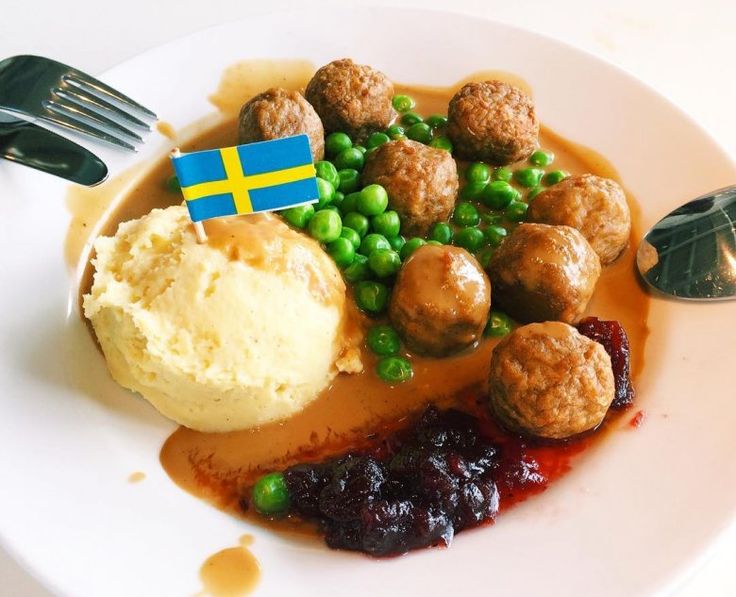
32,87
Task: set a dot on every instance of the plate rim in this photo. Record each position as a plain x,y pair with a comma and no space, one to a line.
702,556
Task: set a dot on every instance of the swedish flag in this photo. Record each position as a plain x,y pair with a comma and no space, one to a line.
263,176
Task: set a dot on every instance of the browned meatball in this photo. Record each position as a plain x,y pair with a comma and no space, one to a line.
542,273
493,122
441,300
596,206
351,98
549,380
421,182
278,113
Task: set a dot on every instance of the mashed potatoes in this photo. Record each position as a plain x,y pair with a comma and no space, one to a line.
227,335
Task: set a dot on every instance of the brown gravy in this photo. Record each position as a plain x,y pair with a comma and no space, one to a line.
231,572
217,467
136,477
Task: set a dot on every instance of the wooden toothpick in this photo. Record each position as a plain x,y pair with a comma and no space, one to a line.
198,226
201,234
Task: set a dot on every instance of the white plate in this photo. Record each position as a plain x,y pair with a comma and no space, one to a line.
629,520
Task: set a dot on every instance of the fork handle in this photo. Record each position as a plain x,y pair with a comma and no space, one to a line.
28,144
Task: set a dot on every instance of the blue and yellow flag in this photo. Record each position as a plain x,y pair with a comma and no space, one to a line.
263,176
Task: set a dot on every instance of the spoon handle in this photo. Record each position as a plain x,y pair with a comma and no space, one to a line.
28,144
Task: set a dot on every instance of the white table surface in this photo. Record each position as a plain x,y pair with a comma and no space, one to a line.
682,48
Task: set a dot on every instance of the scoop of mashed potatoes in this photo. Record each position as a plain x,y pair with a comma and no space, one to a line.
245,329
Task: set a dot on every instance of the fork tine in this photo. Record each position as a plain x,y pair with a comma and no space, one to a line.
100,106
84,81
75,120
81,112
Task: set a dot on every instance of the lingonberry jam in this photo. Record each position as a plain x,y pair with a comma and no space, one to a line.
612,336
448,471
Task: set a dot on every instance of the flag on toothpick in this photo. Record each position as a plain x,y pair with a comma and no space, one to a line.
263,176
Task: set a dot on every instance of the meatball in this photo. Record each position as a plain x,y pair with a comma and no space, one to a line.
441,300
278,113
542,273
421,182
548,380
351,98
596,206
493,122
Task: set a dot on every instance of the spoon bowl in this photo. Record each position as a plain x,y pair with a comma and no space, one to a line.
691,253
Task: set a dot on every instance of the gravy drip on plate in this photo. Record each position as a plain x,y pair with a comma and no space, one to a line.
357,408
136,477
231,572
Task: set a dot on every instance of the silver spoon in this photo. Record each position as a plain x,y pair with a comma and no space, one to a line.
691,253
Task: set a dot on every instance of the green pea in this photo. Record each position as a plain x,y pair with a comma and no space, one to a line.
472,191
351,235
395,130
326,192
434,243
356,221
484,256
376,139
470,239
349,180
478,172
410,246
384,262
373,200
498,194
338,199
350,158
172,184
516,211
342,251
270,494
371,296
298,216
441,232
325,226
330,208
436,121
528,177
383,340
402,103
327,171
499,324
533,193
420,132
410,118
336,143
441,143
350,203
397,243
541,158
495,235
387,223
492,219
394,370
373,242
360,148
399,138
503,173
554,177
358,270
466,214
